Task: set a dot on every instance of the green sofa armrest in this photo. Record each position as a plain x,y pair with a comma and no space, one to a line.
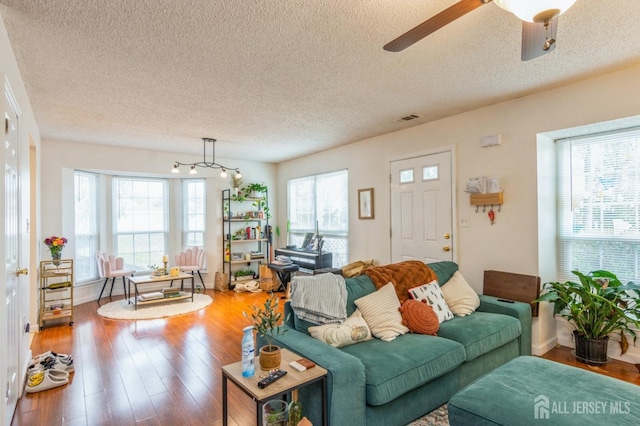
346,398
519,310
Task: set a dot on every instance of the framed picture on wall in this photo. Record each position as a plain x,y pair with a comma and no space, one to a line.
365,203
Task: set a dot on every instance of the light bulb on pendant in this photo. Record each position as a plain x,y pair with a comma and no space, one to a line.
223,173
175,169
193,170
238,174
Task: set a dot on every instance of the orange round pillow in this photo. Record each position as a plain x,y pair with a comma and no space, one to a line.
419,317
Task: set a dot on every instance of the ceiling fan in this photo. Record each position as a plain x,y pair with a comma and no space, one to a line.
539,23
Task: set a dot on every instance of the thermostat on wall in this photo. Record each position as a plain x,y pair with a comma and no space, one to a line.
492,140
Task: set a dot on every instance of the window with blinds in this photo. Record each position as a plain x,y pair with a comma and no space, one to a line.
599,205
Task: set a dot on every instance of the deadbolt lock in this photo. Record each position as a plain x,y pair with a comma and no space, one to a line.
447,236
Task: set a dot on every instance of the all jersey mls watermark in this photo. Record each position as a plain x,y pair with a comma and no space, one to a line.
544,408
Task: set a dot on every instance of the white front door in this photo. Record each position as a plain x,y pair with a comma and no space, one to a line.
11,311
421,208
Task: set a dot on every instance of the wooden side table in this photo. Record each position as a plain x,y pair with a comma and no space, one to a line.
292,381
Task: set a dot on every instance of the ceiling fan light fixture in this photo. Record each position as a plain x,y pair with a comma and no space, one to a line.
535,11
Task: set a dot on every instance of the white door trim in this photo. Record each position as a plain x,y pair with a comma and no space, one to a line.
454,178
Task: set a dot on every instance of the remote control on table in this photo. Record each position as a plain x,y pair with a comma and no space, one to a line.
277,375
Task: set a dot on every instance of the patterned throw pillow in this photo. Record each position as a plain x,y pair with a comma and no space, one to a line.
432,293
353,330
460,297
380,311
419,317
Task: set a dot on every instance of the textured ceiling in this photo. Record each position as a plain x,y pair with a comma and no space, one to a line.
277,79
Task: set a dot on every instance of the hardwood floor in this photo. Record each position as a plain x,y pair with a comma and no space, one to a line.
165,371
151,372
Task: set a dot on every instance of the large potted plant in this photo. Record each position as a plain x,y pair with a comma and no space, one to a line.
267,322
597,305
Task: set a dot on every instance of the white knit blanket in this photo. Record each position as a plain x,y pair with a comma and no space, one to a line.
319,299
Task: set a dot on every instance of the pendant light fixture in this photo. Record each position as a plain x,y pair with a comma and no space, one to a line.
204,163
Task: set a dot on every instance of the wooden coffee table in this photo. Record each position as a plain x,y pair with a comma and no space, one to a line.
147,279
281,388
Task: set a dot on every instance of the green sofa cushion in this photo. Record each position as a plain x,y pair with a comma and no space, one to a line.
444,270
480,332
396,367
527,389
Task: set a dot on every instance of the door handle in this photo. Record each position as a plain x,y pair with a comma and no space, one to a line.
23,271
446,248
447,236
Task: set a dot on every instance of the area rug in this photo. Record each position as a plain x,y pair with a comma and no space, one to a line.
122,310
438,417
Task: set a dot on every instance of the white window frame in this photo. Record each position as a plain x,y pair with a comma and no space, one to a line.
157,236
86,224
598,211
317,221
194,212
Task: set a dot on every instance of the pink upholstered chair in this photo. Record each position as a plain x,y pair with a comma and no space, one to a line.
191,260
112,267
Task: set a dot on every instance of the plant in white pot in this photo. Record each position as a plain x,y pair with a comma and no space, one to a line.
597,305
267,321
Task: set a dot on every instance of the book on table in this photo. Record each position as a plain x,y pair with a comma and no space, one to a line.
152,295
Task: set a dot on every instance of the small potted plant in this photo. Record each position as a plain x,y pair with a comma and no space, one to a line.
236,182
597,305
258,193
267,322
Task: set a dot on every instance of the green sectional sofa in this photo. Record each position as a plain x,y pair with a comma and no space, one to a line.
393,383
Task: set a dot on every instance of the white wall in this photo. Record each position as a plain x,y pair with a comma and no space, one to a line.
62,158
511,244
28,133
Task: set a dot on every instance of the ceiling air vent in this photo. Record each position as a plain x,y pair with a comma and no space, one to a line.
406,118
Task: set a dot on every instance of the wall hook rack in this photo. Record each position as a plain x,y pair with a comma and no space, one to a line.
484,200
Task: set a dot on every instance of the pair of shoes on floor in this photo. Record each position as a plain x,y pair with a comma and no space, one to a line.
51,360
46,379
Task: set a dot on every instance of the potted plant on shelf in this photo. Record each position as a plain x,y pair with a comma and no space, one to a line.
267,322
598,305
236,181
258,193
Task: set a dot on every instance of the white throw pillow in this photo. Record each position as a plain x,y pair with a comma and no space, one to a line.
380,311
461,298
432,293
353,330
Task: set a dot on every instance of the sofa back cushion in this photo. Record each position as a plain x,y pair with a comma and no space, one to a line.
444,270
362,285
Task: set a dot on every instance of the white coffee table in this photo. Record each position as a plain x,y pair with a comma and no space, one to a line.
148,279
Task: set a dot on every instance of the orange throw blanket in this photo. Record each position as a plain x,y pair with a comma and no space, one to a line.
403,275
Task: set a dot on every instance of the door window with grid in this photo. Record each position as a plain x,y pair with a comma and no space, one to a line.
321,203
599,205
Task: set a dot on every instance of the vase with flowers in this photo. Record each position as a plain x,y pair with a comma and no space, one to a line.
55,244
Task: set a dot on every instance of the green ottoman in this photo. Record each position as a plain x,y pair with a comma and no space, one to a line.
534,391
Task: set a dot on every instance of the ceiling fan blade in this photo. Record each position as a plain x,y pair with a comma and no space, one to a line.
433,24
534,36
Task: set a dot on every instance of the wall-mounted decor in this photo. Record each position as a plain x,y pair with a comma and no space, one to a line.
365,203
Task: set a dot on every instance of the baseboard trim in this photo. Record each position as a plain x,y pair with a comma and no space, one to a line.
544,347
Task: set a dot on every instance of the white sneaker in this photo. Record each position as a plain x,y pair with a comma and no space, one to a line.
44,380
